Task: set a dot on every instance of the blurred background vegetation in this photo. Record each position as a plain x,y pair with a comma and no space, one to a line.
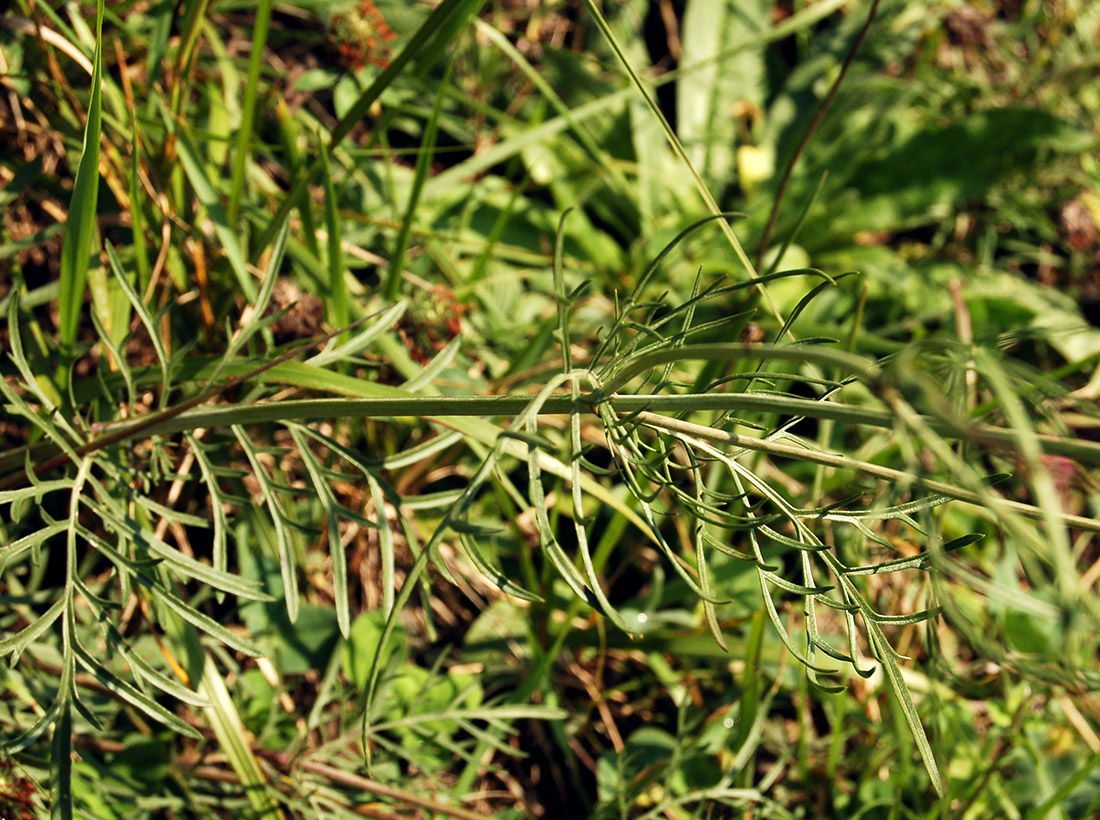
267,173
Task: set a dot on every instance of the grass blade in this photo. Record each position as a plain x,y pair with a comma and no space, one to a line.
339,310
362,340
336,547
441,26
80,228
674,142
146,319
233,739
287,562
440,362
241,153
385,542
420,173
211,201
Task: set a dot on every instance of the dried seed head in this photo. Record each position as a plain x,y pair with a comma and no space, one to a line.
752,334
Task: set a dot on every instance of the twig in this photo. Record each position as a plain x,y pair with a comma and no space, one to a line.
215,774
845,463
47,35
826,104
155,419
374,787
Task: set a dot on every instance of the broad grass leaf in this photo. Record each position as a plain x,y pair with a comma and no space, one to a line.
705,99
80,229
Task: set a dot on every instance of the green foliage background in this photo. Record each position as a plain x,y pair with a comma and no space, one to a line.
406,413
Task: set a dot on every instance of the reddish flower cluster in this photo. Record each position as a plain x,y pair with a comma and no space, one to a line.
362,35
17,793
431,323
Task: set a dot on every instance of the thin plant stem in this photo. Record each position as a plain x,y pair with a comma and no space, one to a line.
826,104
